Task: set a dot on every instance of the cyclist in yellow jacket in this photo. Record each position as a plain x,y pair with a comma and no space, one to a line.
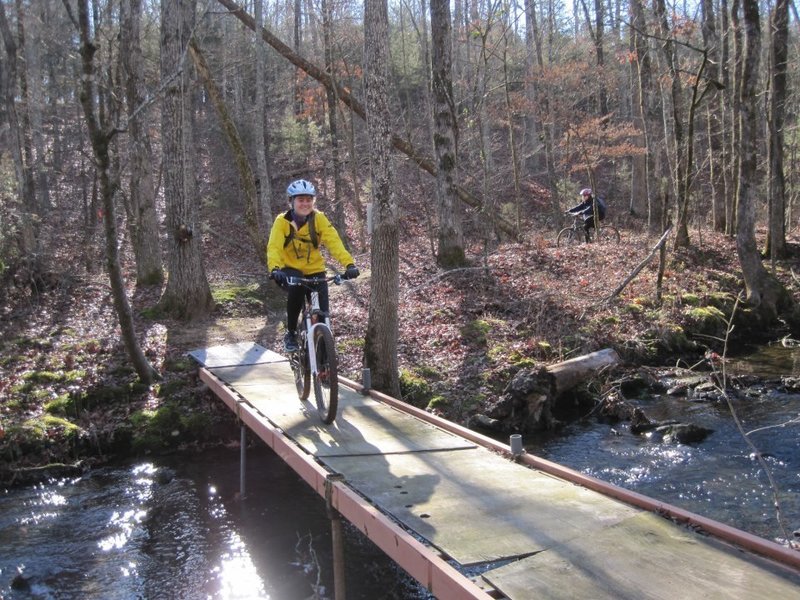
293,251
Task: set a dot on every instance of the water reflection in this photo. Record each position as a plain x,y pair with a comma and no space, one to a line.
131,532
768,361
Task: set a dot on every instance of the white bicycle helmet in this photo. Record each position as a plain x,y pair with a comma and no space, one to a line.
586,192
301,187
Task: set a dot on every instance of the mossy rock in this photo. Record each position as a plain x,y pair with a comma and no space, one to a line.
477,331
166,427
415,389
708,320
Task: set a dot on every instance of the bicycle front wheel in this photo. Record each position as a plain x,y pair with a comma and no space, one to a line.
326,379
569,236
608,234
300,369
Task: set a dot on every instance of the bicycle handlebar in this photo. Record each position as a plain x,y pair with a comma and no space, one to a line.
308,281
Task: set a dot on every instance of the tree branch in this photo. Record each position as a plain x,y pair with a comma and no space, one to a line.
639,267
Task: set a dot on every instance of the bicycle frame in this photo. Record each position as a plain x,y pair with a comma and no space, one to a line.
311,315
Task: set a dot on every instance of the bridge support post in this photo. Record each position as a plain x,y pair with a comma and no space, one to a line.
242,460
366,381
337,538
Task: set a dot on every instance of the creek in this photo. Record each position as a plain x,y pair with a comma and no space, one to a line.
175,527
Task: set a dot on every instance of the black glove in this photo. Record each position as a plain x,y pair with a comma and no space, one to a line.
351,272
278,277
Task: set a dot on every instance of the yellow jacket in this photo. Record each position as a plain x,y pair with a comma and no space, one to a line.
299,253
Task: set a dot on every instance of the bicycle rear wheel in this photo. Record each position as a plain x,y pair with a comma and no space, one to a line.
300,369
569,236
608,234
326,380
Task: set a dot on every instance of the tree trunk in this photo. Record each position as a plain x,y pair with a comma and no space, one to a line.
263,181
680,166
35,98
714,117
643,195
731,210
451,239
337,201
187,294
100,140
380,349
764,293
776,238
142,217
27,239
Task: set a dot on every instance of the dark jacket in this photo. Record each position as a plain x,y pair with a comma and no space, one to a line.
586,208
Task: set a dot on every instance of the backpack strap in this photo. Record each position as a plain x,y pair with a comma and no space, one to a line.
312,230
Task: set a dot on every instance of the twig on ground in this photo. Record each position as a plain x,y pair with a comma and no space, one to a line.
638,268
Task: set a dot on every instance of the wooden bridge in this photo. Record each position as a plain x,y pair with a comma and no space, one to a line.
442,500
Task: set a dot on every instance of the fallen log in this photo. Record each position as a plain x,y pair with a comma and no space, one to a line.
570,373
533,396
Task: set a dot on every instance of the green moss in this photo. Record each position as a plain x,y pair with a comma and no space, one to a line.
708,319
167,427
690,299
438,402
721,300
179,365
40,427
65,404
51,377
242,293
634,308
170,388
414,389
153,313
350,347
477,331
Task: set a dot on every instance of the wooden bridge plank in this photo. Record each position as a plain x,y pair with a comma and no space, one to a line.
363,426
645,557
477,506
242,353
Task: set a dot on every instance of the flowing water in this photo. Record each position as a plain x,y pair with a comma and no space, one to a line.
177,529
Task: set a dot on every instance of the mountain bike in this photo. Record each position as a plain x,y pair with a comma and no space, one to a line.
575,233
314,361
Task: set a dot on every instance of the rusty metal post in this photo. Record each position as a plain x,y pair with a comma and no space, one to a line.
242,460
337,537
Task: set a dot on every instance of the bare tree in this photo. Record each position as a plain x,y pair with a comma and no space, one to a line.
714,118
450,252
27,238
101,135
380,348
142,217
187,294
779,50
764,293
263,169
333,123
32,88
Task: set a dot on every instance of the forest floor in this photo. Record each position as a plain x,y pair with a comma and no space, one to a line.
69,396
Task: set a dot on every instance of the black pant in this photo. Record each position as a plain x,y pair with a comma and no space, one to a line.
297,295
588,223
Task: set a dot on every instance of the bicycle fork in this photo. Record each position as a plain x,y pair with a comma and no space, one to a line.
312,323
